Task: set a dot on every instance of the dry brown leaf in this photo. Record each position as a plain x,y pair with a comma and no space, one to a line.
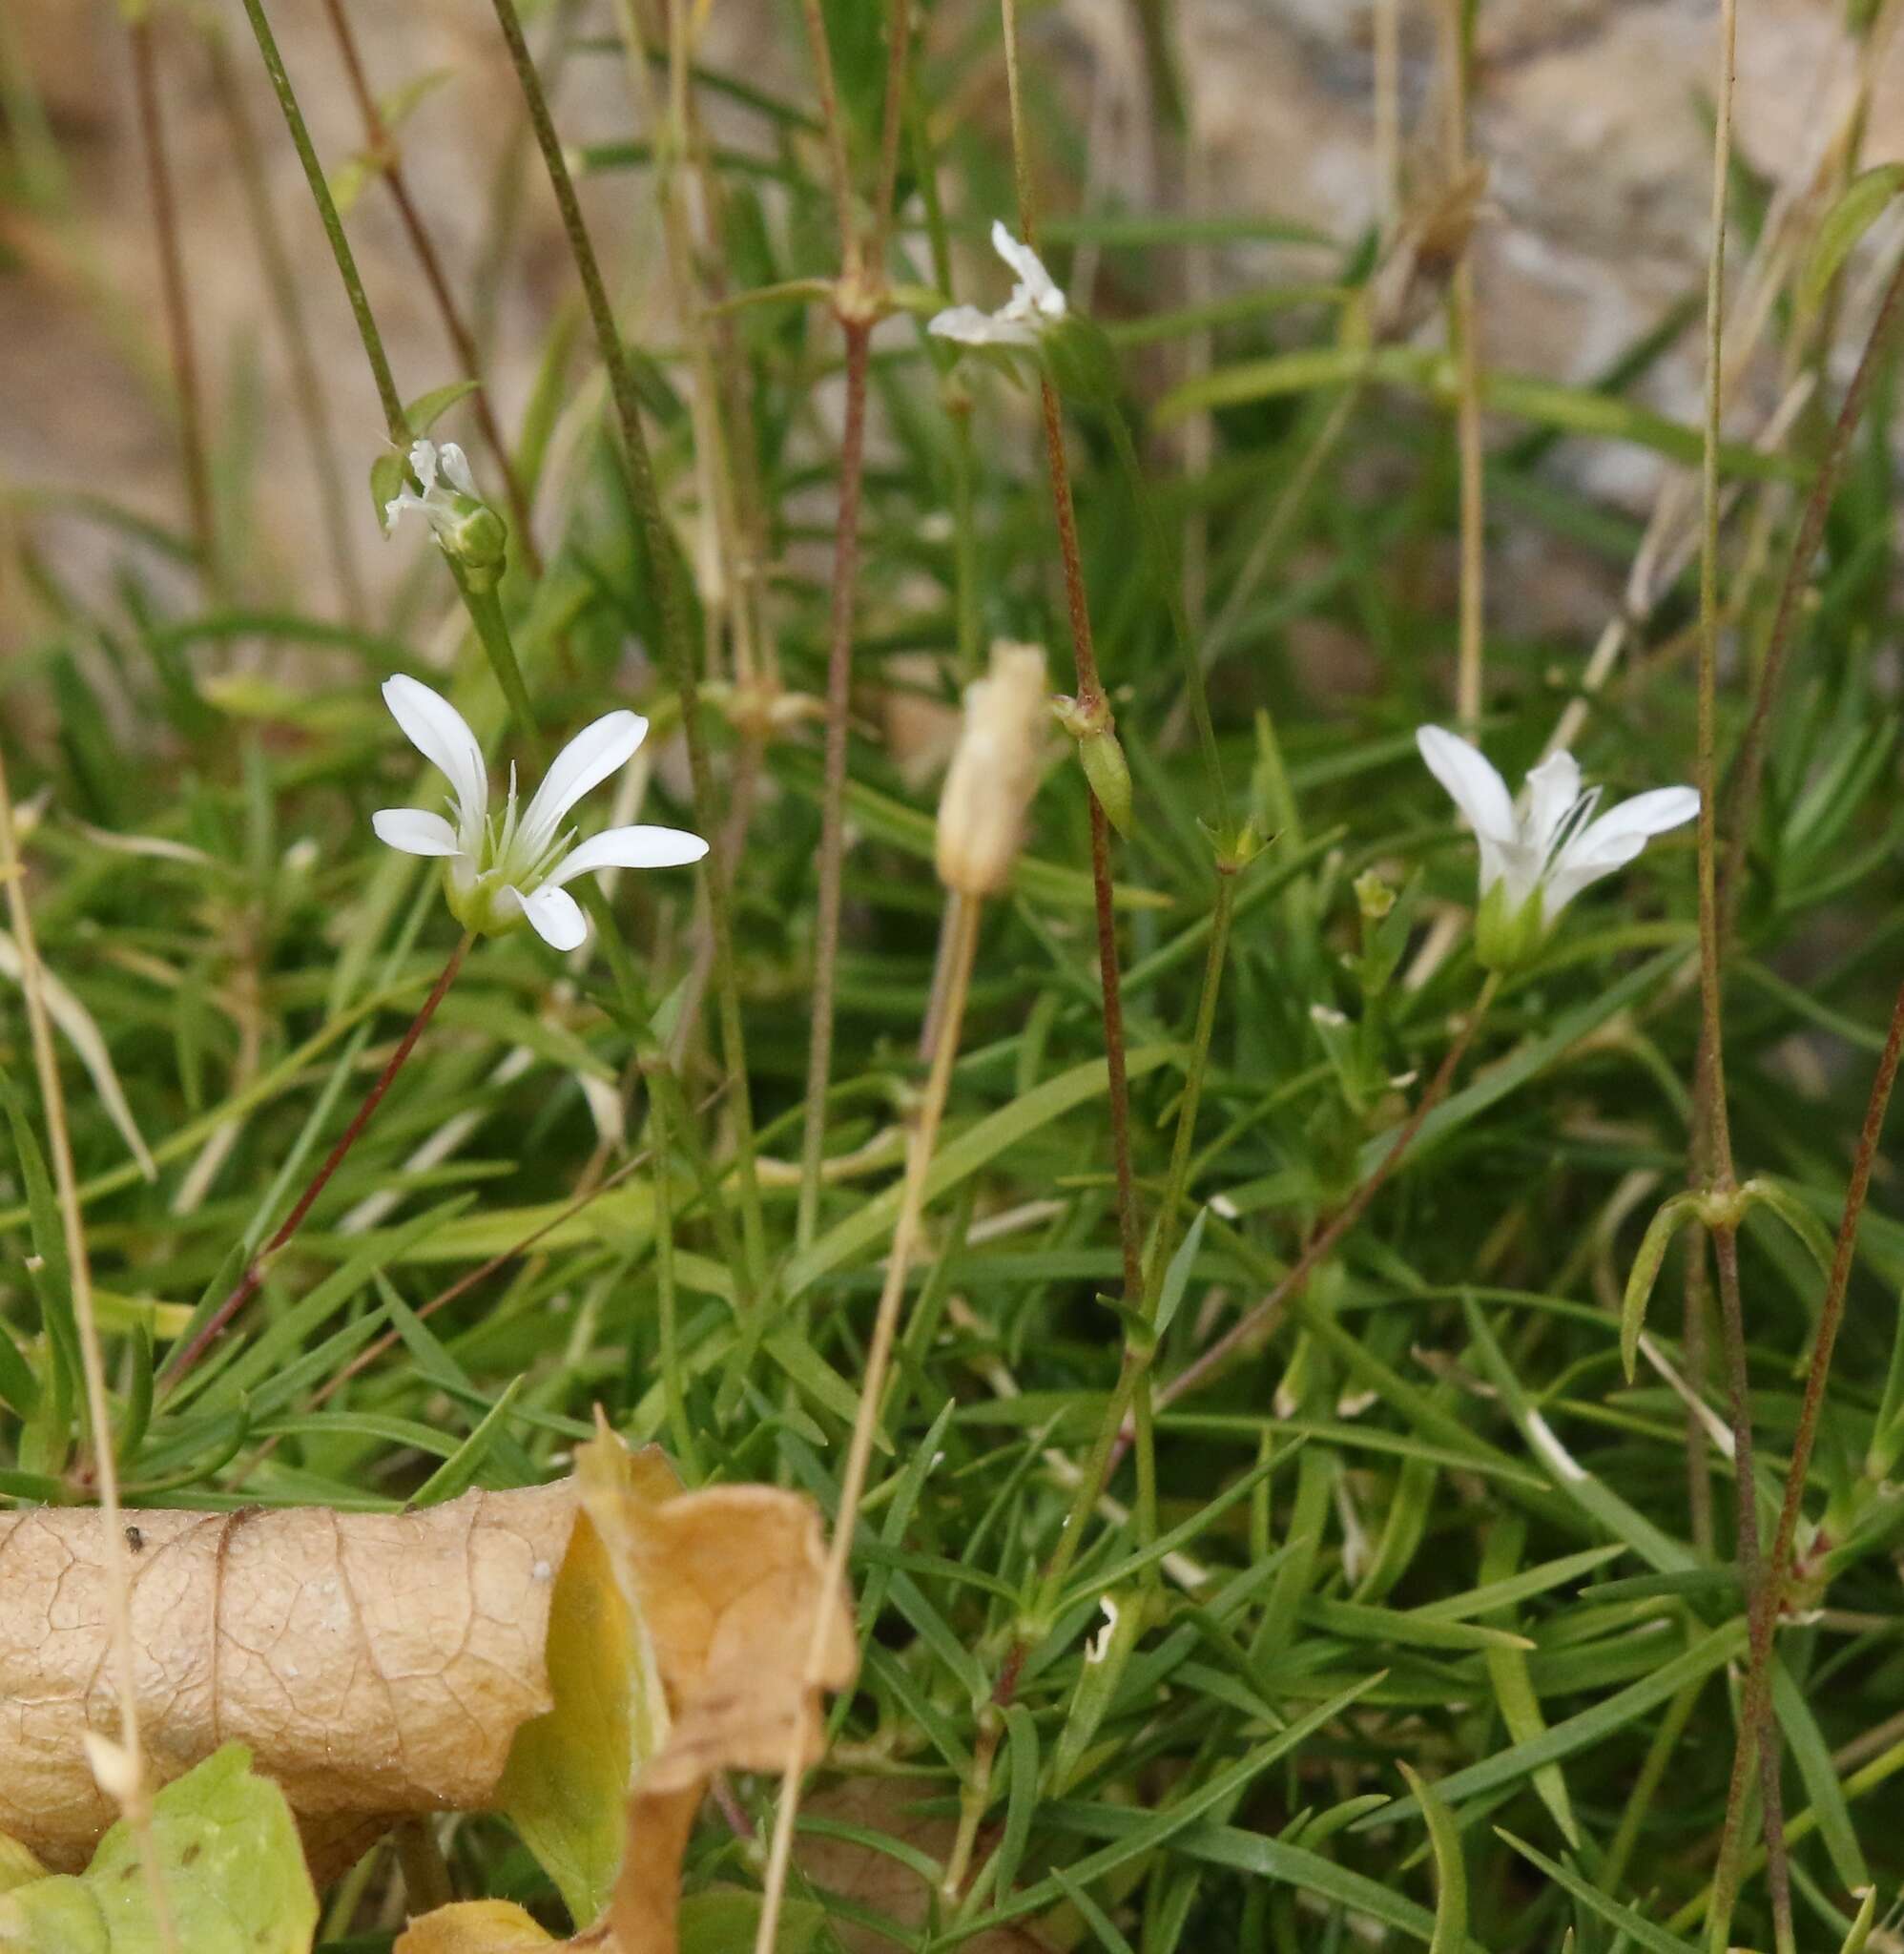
375,1664
730,1585
381,1665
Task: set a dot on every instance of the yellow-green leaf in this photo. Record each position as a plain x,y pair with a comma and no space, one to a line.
230,1862
565,1784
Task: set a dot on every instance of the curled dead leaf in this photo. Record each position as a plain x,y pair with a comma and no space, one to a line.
580,1655
375,1665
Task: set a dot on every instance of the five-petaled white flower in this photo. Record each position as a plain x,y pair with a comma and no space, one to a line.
500,871
1035,305
1537,855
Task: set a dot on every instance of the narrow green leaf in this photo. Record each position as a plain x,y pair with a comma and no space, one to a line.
955,1161
1635,1926
1589,1727
1177,1277
1451,1873
1861,203
1672,1216
428,408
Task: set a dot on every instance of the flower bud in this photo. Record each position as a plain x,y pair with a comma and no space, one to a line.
994,773
1374,897
1101,754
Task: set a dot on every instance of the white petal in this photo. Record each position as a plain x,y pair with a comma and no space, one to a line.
636,848
456,469
1472,783
971,327
594,753
553,914
442,734
1036,286
415,832
1615,839
1553,787
423,463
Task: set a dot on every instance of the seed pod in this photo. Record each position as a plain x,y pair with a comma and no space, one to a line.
994,773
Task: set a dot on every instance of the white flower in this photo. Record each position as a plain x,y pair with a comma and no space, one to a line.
437,501
1036,303
1539,853
503,870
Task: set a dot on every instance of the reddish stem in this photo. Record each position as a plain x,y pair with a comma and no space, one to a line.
172,275
859,332
219,1320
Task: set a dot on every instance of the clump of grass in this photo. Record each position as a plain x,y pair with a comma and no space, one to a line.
1195,1285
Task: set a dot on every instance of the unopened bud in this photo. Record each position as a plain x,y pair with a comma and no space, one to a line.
1374,896
994,773
1101,754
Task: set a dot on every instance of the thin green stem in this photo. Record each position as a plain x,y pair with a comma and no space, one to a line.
492,632
678,638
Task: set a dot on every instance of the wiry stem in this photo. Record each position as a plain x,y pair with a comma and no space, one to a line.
677,638
395,421
220,1320
1089,697
456,330
1748,771
1713,1120
833,793
178,309
964,918
132,1794
1756,1705
859,302
1464,321
310,398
